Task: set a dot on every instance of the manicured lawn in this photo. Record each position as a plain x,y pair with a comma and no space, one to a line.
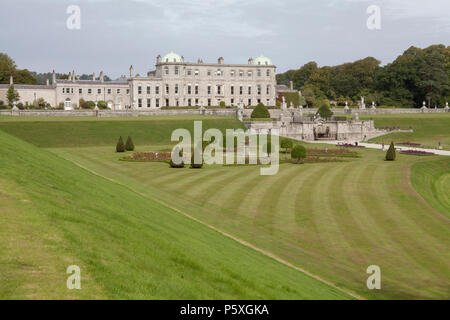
332,219
54,214
47,132
429,129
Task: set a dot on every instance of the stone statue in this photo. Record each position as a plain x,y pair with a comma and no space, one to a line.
373,105
356,116
291,105
283,105
363,105
446,106
346,106
424,105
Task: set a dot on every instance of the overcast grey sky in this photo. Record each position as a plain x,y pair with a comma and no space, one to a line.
117,33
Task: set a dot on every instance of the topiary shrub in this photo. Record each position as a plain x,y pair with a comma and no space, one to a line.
298,153
260,111
120,147
391,154
173,164
195,165
286,144
222,104
129,146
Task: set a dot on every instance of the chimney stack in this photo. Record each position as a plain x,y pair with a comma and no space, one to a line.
11,80
250,61
101,76
54,78
93,76
73,75
47,82
220,60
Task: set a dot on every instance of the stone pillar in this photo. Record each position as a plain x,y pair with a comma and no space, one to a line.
53,78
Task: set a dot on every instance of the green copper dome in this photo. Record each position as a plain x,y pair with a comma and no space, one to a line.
172,57
262,61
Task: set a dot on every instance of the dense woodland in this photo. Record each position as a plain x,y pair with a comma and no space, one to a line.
415,76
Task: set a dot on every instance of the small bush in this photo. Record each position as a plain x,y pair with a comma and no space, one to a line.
120,147
173,164
298,153
286,144
222,104
260,112
195,165
129,146
391,154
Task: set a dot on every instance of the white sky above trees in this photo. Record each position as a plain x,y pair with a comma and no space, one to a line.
117,33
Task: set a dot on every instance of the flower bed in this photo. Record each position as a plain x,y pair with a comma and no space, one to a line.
348,145
411,144
331,152
417,152
149,156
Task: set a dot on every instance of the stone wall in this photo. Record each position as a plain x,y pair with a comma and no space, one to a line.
275,113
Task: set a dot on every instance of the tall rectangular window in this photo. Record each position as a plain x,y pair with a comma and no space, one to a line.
140,103
148,89
167,89
209,89
196,89
232,89
99,91
157,103
189,89
176,88
268,90
80,91
249,102
139,90
219,89
157,89
249,90
148,103
109,91
241,90
259,89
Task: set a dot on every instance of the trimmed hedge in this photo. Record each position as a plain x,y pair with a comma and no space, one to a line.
120,147
129,146
391,154
260,111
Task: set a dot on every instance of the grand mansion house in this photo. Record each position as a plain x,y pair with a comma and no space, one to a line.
173,83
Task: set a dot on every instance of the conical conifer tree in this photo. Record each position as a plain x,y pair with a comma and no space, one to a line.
129,146
120,147
390,154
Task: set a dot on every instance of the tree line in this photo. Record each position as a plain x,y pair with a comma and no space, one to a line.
415,76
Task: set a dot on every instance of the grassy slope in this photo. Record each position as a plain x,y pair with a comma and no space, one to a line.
47,132
429,129
332,219
54,214
432,180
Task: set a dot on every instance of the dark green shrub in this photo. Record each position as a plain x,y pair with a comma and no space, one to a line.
173,164
260,111
222,104
298,153
120,147
129,146
196,165
391,154
286,144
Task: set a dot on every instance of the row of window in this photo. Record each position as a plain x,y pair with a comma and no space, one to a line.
219,89
218,72
89,91
190,102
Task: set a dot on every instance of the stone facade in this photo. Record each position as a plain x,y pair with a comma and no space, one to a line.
293,125
173,83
